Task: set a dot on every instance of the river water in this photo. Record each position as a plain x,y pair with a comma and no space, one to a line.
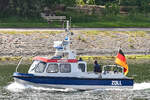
15,91
9,90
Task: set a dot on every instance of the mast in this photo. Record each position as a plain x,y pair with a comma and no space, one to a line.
63,47
67,38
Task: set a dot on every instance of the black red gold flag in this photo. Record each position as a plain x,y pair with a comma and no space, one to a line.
121,60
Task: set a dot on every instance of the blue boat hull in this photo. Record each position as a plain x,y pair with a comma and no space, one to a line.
73,81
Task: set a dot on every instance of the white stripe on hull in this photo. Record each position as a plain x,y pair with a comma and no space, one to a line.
80,87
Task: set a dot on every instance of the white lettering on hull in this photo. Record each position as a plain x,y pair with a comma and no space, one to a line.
116,83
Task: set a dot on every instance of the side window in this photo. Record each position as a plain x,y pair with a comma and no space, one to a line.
40,67
82,67
52,68
65,68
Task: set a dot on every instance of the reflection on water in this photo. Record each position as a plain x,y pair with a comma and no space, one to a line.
17,91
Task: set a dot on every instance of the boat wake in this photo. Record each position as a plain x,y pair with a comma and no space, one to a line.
16,87
141,86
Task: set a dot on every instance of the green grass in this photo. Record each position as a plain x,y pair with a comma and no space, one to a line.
29,25
79,20
20,22
114,21
132,34
29,32
133,57
85,58
105,24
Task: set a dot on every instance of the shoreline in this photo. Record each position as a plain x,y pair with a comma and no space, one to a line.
85,43
77,29
131,59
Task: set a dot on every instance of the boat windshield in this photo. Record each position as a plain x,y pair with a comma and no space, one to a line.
38,66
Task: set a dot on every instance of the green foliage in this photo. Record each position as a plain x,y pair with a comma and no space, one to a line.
112,8
90,2
68,2
100,2
129,2
26,13
80,2
30,8
144,6
138,6
33,8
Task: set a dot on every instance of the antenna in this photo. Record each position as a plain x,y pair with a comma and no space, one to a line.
67,27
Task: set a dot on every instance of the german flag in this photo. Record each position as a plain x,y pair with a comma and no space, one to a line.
121,60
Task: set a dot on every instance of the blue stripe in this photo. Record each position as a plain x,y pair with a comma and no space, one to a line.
73,80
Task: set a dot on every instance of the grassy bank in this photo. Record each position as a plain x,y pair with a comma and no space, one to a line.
79,20
88,33
85,58
19,22
29,32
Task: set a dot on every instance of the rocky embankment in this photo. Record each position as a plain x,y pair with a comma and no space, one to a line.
84,42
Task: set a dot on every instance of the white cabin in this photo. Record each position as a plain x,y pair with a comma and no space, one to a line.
60,68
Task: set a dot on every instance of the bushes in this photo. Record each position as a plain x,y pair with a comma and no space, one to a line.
112,9
30,8
33,8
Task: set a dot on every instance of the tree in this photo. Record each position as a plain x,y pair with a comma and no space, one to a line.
90,2
112,8
80,2
68,2
143,6
4,6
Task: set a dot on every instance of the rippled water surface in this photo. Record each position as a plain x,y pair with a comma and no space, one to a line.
9,90
15,91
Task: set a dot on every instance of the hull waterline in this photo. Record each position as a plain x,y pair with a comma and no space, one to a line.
72,82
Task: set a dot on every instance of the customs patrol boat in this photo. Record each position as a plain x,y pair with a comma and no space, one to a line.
63,70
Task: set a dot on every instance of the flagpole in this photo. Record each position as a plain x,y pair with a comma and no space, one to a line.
119,48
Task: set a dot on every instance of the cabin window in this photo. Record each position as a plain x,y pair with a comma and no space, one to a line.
65,68
40,67
52,68
82,67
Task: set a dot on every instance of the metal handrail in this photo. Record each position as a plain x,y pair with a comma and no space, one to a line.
19,64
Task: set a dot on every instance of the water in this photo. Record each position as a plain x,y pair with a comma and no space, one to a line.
15,91
9,90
